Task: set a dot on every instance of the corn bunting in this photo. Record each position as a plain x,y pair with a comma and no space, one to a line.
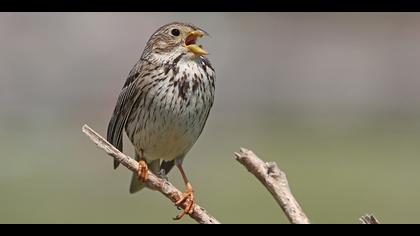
164,104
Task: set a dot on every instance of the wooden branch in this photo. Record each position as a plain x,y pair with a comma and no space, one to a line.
369,220
268,173
153,182
276,182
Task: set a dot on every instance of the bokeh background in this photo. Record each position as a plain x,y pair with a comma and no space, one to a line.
333,98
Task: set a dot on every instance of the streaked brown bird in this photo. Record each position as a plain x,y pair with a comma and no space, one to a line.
164,104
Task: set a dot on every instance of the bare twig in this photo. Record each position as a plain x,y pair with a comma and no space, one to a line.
369,220
153,182
268,173
276,182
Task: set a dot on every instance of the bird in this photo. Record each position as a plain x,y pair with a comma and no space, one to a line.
164,105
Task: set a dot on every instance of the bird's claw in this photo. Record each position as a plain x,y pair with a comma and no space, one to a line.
188,198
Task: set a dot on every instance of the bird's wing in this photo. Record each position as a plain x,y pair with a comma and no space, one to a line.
122,110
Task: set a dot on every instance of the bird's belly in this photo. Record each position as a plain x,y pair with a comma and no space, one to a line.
168,142
165,134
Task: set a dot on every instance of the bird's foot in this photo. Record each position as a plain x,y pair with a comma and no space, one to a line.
143,170
188,198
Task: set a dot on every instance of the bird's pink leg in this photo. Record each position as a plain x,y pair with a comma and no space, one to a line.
187,197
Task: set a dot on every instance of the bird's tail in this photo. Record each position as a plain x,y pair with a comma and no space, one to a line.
136,185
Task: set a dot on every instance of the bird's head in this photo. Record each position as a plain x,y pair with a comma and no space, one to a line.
174,39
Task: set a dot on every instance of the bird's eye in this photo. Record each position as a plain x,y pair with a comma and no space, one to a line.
175,32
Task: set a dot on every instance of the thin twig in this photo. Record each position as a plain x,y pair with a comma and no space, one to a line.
153,182
369,219
276,182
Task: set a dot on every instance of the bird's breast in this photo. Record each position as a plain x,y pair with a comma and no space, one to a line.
174,112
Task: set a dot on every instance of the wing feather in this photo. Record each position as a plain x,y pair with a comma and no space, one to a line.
122,110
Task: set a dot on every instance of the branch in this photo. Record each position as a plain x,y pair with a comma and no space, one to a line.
276,182
369,220
153,182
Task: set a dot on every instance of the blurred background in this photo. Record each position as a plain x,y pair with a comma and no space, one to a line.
333,98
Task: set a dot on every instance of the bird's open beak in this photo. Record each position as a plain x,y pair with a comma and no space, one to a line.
190,43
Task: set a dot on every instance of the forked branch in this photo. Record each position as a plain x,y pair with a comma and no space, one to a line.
276,183
274,179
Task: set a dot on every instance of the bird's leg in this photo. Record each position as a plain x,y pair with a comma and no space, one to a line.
187,196
143,170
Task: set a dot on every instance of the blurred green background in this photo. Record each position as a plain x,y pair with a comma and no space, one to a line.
333,98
